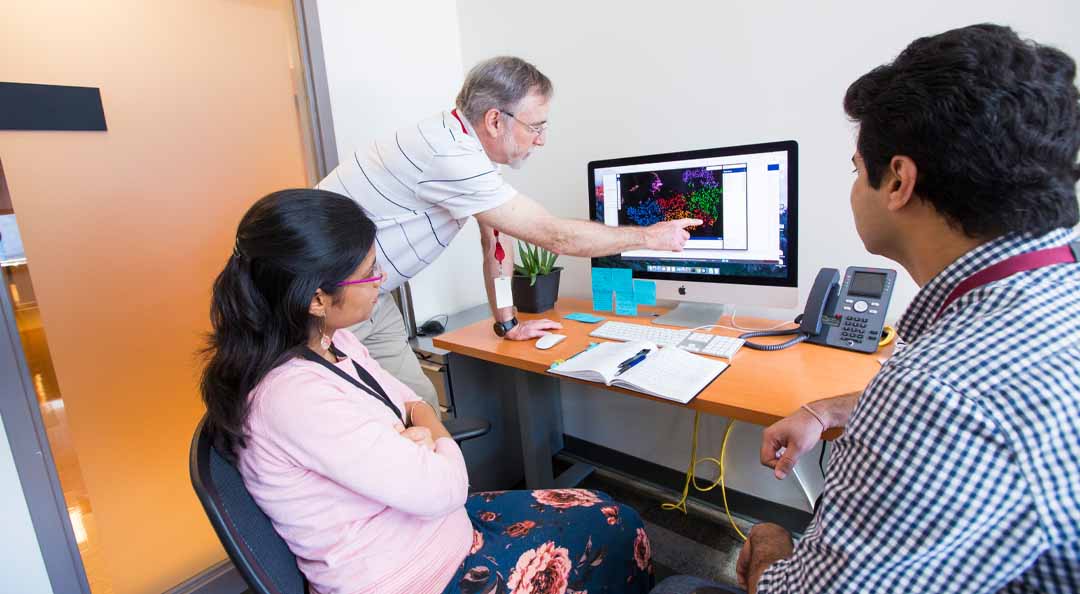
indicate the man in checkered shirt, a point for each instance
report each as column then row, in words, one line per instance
column 959, row 466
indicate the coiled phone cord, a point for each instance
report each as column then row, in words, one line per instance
column 776, row 347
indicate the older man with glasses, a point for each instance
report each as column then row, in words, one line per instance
column 421, row 186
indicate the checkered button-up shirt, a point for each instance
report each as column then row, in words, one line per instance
column 959, row 470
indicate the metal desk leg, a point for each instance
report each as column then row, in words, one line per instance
column 539, row 403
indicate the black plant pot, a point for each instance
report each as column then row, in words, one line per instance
column 538, row 297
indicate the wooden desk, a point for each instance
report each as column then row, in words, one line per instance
column 760, row 387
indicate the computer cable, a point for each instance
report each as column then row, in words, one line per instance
column 888, row 334
column 691, row 476
column 736, row 326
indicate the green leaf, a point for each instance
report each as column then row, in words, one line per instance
column 521, row 254
column 535, row 257
column 532, row 280
column 550, row 264
column 520, row 270
column 526, row 261
column 535, row 260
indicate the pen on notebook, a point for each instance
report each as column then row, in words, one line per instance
column 632, row 357
column 632, row 361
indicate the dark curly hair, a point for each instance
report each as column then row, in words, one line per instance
column 991, row 121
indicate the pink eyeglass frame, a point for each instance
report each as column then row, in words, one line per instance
column 362, row 281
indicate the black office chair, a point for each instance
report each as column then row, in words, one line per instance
column 262, row 557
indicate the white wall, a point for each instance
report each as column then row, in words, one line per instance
column 389, row 65
column 638, row 78
column 20, row 553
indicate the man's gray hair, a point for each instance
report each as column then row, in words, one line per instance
column 499, row 83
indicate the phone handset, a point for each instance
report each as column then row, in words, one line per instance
column 825, row 286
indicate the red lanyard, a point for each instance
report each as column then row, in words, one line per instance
column 500, row 253
column 463, row 128
column 1008, row 267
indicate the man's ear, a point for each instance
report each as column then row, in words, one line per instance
column 319, row 303
column 493, row 122
column 899, row 181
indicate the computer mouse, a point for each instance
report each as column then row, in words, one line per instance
column 547, row 341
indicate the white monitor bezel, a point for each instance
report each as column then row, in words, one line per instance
column 758, row 291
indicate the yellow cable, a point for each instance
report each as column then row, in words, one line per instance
column 723, row 488
column 888, row 333
column 691, row 476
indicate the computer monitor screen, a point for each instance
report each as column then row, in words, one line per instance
column 747, row 198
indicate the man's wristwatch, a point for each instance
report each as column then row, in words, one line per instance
column 501, row 328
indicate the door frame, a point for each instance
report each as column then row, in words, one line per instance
column 34, row 464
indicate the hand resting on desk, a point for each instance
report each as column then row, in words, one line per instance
column 532, row 329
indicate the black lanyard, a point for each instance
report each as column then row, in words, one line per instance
column 374, row 389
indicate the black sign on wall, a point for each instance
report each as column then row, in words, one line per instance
column 50, row 107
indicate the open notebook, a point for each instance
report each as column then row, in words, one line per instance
column 668, row 373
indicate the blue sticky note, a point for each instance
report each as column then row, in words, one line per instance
column 644, row 292
column 584, row 317
column 622, row 279
column 601, row 279
column 625, row 304
column 601, row 300
column 601, row 289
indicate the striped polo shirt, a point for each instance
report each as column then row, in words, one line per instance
column 419, row 187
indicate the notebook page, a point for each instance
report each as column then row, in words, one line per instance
column 600, row 362
column 673, row 374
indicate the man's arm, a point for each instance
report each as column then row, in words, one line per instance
column 921, row 494
column 797, row 433
column 766, row 544
column 524, row 218
column 492, row 269
column 793, row 435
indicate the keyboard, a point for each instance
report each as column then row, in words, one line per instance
column 724, row 347
column 695, row 342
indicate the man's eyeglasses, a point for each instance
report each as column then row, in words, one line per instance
column 377, row 275
column 536, row 129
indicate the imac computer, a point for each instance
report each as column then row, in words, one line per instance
column 745, row 253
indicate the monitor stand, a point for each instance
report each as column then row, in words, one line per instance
column 692, row 315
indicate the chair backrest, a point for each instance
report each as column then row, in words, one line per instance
column 259, row 554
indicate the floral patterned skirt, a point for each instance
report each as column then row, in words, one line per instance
column 553, row 541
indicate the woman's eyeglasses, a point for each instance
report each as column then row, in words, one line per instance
column 377, row 275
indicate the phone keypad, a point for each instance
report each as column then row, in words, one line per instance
column 854, row 328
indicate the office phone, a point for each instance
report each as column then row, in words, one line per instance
column 847, row 315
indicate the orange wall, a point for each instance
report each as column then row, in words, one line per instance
column 126, row 229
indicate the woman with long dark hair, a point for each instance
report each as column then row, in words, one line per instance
column 357, row 474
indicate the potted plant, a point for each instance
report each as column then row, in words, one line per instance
column 535, row 283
